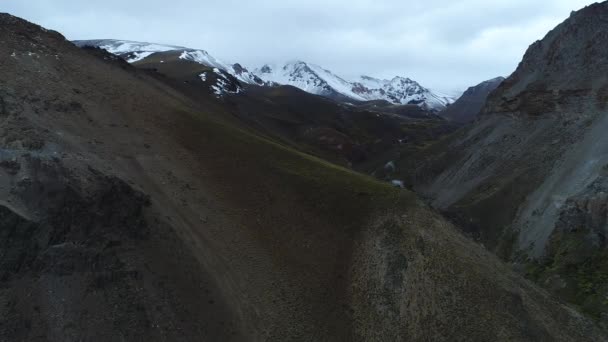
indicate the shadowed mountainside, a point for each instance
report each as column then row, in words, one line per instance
column 468, row 106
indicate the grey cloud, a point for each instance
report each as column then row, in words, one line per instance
column 444, row 44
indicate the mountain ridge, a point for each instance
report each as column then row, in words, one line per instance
column 468, row 107
column 306, row 76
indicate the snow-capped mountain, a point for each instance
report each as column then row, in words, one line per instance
column 314, row 79
column 236, row 70
column 134, row 52
column 306, row 76
column 400, row 90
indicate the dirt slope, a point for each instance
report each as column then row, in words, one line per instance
column 130, row 212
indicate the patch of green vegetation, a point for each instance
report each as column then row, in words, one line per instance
column 534, row 270
column 506, row 246
column 574, row 271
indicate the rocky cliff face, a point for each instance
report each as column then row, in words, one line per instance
column 560, row 71
column 527, row 178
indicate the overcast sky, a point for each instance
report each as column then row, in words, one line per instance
column 446, row 45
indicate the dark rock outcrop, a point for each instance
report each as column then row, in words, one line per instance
column 469, row 105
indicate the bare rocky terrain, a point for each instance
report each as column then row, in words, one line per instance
column 132, row 210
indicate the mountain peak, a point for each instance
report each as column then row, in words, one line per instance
column 317, row 80
column 365, row 77
column 296, row 62
column 402, row 79
column 266, row 69
column 567, row 60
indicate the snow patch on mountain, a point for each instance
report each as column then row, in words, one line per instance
column 203, row 57
column 224, row 83
column 119, row 47
column 221, row 88
column 138, row 56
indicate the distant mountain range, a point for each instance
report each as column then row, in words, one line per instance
column 314, row 79
column 306, row 76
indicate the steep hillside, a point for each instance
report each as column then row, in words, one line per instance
column 131, row 212
column 528, row 178
column 470, row 104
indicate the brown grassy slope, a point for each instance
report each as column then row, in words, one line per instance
column 242, row 239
